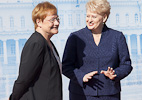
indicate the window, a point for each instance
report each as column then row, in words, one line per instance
column 133, row 44
column 77, row 1
column 70, row 20
column 61, row 20
column 21, row 44
column 1, row 48
column 12, row 49
column 22, row 22
column 84, row 19
column 127, row 18
column 117, row 18
column 1, row 22
column 78, row 19
column 136, row 18
column 11, row 22
column 141, row 42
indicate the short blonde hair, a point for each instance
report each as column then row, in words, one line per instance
column 102, row 7
column 42, row 10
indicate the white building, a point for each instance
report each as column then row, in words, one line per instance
column 16, row 26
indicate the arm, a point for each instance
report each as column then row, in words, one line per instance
column 125, row 67
column 30, row 66
column 69, row 61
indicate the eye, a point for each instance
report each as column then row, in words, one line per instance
column 94, row 16
column 87, row 16
column 52, row 20
column 58, row 19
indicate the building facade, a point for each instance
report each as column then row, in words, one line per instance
column 16, row 26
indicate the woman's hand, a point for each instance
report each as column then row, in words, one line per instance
column 110, row 73
column 88, row 76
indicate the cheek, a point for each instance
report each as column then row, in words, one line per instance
column 100, row 20
column 87, row 19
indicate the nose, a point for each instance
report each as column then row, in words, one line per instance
column 56, row 22
column 90, row 19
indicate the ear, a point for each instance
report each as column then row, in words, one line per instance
column 105, row 18
column 39, row 22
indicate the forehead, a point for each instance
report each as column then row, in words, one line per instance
column 51, row 16
column 48, row 17
column 51, row 12
column 91, row 12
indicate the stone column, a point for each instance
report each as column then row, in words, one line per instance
column 138, row 45
column 17, row 51
column 129, row 44
column 5, row 52
column 7, row 86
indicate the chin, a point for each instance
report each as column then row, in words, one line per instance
column 90, row 27
column 56, row 32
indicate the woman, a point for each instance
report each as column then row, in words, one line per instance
column 39, row 74
column 96, row 57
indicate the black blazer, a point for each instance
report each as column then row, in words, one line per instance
column 39, row 74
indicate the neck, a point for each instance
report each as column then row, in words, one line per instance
column 98, row 30
column 47, row 36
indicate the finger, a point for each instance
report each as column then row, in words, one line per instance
column 113, row 76
column 102, row 71
column 89, row 77
column 86, row 80
column 93, row 73
column 111, row 70
column 108, row 69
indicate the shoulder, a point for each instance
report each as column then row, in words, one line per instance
column 118, row 35
column 115, row 33
column 36, row 39
column 78, row 34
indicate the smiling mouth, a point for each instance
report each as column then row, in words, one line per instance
column 90, row 24
column 54, row 27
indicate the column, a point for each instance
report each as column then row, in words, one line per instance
column 17, row 51
column 5, row 52
column 138, row 45
column 129, row 44
column 7, row 86
column 66, row 19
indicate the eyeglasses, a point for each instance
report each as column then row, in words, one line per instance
column 53, row 19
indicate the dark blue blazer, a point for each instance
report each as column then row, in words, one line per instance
column 82, row 55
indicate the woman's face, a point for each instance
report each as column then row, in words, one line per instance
column 50, row 24
column 94, row 21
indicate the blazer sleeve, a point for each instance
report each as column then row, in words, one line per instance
column 125, row 67
column 30, row 66
column 69, row 61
